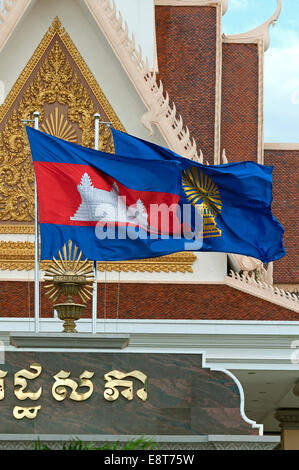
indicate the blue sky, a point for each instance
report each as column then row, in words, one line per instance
column 281, row 85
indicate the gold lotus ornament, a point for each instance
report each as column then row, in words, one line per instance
column 204, row 195
column 58, row 126
column 69, row 276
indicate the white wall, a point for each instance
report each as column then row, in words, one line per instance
column 140, row 16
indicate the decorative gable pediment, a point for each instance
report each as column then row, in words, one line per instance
column 57, row 83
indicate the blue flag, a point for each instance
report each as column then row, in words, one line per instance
column 106, row 204
column 234, row 201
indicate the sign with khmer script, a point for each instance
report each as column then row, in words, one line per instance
column 81, row 393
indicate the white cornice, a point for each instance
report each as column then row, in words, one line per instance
column 224, row 6
column 199, row 3
column 228, row 344
column 261, row 33
column 282, row 146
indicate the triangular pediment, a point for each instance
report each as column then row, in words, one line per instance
column 58, row 84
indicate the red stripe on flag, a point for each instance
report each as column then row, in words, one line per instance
column 59, row 197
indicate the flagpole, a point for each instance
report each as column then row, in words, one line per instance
column 97, row 118
column 36, row 247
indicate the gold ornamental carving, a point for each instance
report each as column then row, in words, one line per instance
column 21, row 229
column 69, row 276
column 58, row 126
column 204, row 195
column 57, row 83
column 177, row 262
column 20, row 256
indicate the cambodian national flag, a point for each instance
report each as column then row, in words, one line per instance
column 103, row 202
column 233, row 199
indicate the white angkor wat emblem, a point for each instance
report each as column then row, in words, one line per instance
column 107, row 206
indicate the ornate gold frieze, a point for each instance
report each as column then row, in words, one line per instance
column 57, row 83
column 178, row 262
column 20, row 256
column 20, row 229
column 69, row 276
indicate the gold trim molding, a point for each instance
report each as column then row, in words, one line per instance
column 20, row 256
column 19, row 229
column 17, row 256
column 177, row 262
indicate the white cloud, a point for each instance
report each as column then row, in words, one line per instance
column 238, row 4
column 282, row 93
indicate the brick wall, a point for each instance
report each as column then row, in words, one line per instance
column 239, row 113
column 285, row 209
column 155, row 301
column 186, row 47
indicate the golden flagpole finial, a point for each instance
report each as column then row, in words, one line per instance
column 69, row 276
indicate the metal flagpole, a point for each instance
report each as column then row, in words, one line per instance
column 97, row 123
column 36, row 248
column 97, row 118
column 36, row 239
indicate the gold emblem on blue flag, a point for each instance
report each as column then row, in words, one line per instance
column 204, row 195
